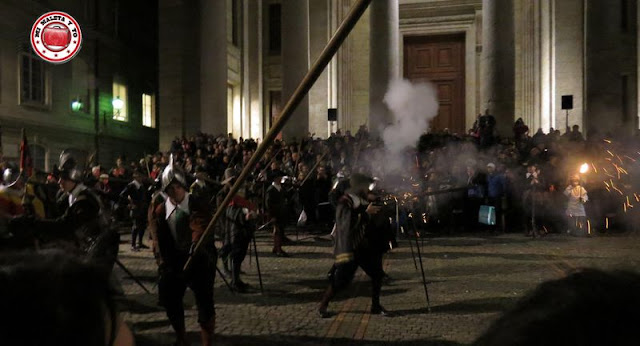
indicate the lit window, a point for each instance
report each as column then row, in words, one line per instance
column 32, row 80
column 119, row 102
column 148, row 114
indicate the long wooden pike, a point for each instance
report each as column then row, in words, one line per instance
column 301, row 91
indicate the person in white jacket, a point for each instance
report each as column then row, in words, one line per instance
column 577, row 194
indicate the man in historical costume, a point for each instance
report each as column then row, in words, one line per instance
column 16, row 200
column 353, row 248
column 82, row 226
column 221, row 226
column 203, row 188
column 176, row 226
column 276, row 203
column 241, row 215
column 136, row 197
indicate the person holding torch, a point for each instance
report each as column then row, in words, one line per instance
column 575, row 211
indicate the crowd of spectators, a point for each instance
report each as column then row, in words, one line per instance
column 524, row 177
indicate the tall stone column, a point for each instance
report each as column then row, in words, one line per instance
column 319, row 93
column 498, row 59
column 569, row 61
column 170, row 73
column 252, row 67
column 213, row 67
column 295, row 62
column 384, row 59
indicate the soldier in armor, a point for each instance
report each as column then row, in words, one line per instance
column 135, row 196
column 176, row 226
column 82, row 224
column 352, row 247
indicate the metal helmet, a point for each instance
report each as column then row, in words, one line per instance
column 375, row 184
column 71, row 165
column 173, row 173
column 10, row 176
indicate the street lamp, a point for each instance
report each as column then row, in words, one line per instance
column 117, row 103
column 76, row 104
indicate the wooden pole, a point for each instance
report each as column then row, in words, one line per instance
column 301, row 91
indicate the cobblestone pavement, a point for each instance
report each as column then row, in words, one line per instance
column 471, row 279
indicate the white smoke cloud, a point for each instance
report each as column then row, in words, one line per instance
column 413, row 106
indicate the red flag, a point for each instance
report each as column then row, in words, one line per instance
column 26, row 164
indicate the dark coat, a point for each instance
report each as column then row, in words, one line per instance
column 137, row 198
column 349, row 229
column 83, row 225
column 276, row 202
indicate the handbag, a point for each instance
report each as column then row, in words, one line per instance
column 487, row 215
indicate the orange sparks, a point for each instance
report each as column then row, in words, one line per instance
column 595, row 170
column 605, row 169
column 606, row 222
column 625, row 207
column 605, row 182
column 610, row 153
column 608, row 141
column 630, row 158
column 619, row 159
column 588, row 227
column 636, row 196
column 608, row 189
column 621, row 194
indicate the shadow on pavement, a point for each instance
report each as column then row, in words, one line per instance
column 281, row 340
column 481, row 305
column 457, row 255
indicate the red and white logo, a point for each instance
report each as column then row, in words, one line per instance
column 56, row 37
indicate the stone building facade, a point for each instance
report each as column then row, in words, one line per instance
column 514, row 58
column 71, row 105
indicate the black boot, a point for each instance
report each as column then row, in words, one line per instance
column 376, row 308
column 237, row 284
column 324, row 304
column 225, row 266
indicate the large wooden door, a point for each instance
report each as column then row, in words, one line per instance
column 440, row 60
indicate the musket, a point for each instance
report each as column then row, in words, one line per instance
column 313, row 168
column 270, row 161
column 357, row 10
